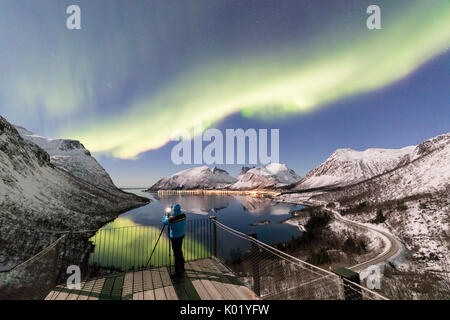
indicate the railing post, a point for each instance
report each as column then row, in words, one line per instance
column 255, row 266
column 170, row 253
column 351, row 292
column 214, row 235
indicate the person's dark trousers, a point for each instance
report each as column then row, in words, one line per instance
column 178, row 253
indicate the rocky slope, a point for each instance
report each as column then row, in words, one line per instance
column 36, row 196
column 195, row 178
column 425, row 169
column 410, row 200
column 274, row 175
column 71, row 156
column 347, row 166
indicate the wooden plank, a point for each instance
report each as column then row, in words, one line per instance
column 98, row 285
column 165, row 277
column 59, row 289
column 239, row 291
column 62, row 296
column 200, row 288
column 49, row 295
column 213, row 292
column 138, row 295
column 243, row 291
column 72, row 296
column 86, row 290
column 214, row 278
column 197, row 283
column 116, row 292
column 138, row 282
column 170, row 293
column 148, row 281
column 107, row 288
column 167, row 284
column 127, row 291
column 138, row 286
column 149, row 295
column 156, row 279
column 74, row 293
column 52, row 295
column 160, row 294
column 96, row 289
column 180, row 289
column 233, row 288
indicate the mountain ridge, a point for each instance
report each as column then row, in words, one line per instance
column 203, row 177
column 72, row 156
column 36, row 197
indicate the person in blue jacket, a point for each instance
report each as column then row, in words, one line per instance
column 177, row 221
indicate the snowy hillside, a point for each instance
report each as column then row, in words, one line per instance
column 426, row 169
column 195, row 178
column 346, row 166
column 71, row 156
column 273, row 175
column 36, row 196
column 412, row 197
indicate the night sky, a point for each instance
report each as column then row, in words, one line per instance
column 138, row 70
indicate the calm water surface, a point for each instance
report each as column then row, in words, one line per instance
column 128, row 240
column 236, row 211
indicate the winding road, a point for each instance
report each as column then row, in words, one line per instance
column 392, row 245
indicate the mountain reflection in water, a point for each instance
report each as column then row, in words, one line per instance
column 235, row 211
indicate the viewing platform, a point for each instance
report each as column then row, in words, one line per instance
column 220, row 264
column 204, row 279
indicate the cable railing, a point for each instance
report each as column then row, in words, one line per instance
column 269, row 272
column 129, row 248
column 99, row 253
column 34, row 278
column 273, row 274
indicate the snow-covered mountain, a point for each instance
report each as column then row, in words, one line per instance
column 71, row 156
column 195, row 178
column 273, row 175
column 414, row 199
column 347, row 166
column 425, row 169
column 37, row 196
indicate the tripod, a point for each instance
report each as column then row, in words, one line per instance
column 160, row 234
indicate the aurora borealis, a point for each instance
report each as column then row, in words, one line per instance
column 139, row 70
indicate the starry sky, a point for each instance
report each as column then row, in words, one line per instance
column 138, row 70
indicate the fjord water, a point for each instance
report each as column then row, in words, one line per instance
column 129, row 239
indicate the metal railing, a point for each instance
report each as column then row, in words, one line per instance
column 273, row 274
column 129, row 248
column 35, row 277
column 123, row 249
column 269, row 272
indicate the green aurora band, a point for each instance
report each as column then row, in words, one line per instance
column 123, row 244
column 106, row 84
column 290, row 79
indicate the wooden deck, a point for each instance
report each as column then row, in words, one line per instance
column 205, row 279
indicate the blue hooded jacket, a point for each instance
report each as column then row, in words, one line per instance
column 177, row 222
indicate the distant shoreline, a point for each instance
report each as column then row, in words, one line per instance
column 253, row 193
